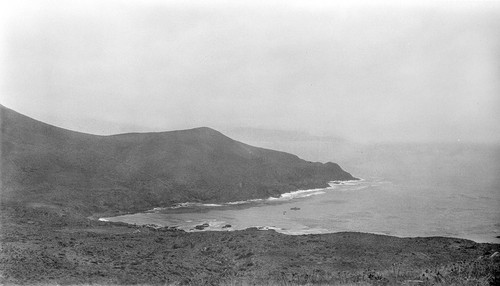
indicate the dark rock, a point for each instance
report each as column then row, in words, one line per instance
column 202, row 226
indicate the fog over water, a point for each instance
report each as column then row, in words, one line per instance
column 365, row 71
column 406, row 96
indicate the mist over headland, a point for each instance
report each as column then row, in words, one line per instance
column 369, row 126
column 366, row 72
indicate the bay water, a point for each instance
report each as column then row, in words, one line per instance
column 406, row 190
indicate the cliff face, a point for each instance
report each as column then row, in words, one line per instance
column 41, row 163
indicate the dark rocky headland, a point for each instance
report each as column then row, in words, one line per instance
column 55, row 182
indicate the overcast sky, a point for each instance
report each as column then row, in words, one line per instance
column 365, row 72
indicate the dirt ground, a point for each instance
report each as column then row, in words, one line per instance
column 40, row 245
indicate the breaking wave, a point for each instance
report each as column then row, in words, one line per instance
column 283, row 197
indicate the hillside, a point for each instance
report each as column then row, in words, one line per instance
column 41, row 163
column 53, row 178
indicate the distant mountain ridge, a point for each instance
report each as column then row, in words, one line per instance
column 41, row 163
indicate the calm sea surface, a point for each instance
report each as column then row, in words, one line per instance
column 407, row 190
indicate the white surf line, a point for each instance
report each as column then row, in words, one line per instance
column 284, row 196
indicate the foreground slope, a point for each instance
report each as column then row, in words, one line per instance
column 40, row 247
column 128, row 172
column 53, row 178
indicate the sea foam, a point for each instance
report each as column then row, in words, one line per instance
column 283, row 197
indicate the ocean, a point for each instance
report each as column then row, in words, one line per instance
column 407, row 190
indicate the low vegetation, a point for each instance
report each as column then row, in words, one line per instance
column 42, row 163
column 55, row 183
column 47, row 245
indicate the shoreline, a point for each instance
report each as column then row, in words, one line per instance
column 217, row 224
column 282, row 197
column 115, row 213
column 331, row 186
column 313, row 232
column 53, row 250
column 289, row 195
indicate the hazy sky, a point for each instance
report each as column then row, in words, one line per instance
column 367, row 72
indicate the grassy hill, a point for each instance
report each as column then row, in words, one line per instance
column 41, row 163
column 53, row 178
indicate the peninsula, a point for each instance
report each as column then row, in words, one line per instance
column 55, row 182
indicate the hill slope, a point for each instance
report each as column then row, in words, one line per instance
column 41, row 163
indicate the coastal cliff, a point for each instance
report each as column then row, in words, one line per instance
column 130, row 172
column 53, row 178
